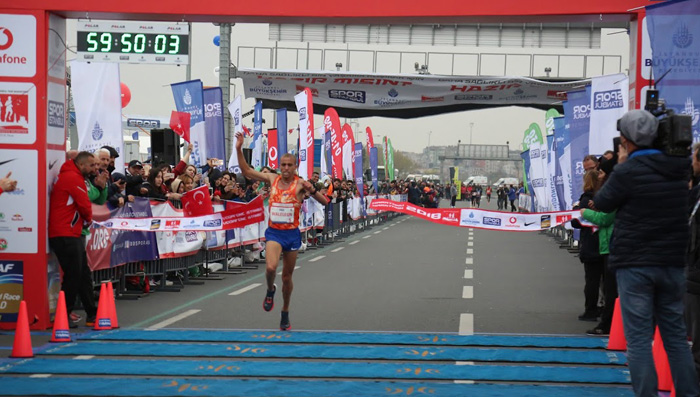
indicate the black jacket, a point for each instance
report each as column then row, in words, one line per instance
column 650, row 194
column 589, row 250
column 693, row 264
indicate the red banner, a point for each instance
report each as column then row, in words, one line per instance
column 444, row 216
column 370, row 139
column 238, row 215
column 180, row 124
column 332, row 124
column 272, row 149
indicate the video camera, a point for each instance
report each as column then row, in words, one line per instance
column 675, row 132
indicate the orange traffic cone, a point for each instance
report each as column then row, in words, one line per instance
column 22, row 347
column 103, row 322
column 112, row 306
column 663, row 371
column 616, row 340
column 61, row 331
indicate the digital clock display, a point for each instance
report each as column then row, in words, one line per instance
column 133, row 42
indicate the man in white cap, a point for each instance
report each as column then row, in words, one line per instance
column 649, row 190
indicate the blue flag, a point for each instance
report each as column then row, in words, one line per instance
column 214, row 124
column 282, row 131
column 189, row 97
column 373, row 163
column 577, row 112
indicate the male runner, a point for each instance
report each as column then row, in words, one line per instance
column 283, row 236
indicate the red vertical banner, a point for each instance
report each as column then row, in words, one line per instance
column 370, row 139
column 310, row 133
column 332, row 124
column 272, row 149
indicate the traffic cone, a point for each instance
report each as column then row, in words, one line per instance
column 22, row 346
column 616, row 340
column 112, row 306
column 103, row 322
column 663, row 371
column 61, row 329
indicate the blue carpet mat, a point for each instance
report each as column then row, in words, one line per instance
column 317, row 370
column 351, row 338
column 337, row 352
column 285, row 388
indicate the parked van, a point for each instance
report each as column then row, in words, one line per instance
column 506, row 181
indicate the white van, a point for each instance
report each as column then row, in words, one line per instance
column 507, row 182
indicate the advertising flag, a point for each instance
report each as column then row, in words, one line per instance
column 370, row 138
column 98, row 107
column 608, row 103
column 236, row 116
column 306, row 133
column 537, row 174
column 390, row 166
column 674, row 33
column 331, row 122
column 214, row 123
column 326, row 154
column 373, row 165
column 281, row 131
column 552, row 174
column 577, row 112
column 347, row 151
column 386, row 157
column 180, row 124
column 257, row 137
column 562, row 168
column 272, row 150
column 189, row 97
column 359, row 180
column 527, row 178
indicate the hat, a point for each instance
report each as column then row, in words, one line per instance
column 135, row 163
column 118, row 176
column 639, row 126
column 112, row 151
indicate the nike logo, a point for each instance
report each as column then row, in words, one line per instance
column 52, row 164
column 6, row 161
column 531, row 223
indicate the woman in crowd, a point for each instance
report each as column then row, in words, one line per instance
column 187, row 182
column 154, row 187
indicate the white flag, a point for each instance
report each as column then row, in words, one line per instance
column 302, row 100
column 609, row 101
column 98, row 107
column 235, row 109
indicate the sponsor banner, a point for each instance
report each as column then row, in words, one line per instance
column 390, row 160
column 331, row 122
column 370, row 138
column 562, row 166
column 359, row 180
column 306, row 133
column 56, row 114
column 373, row 161
column 480, row 219
column 273, row 154
column 18, row 45
column 172, row 244
column 282, row 131
column 552, row 175
column 189, row 97
column 675, row 43
column 379, row 92
column 214, row 124
column 348, row 152
column 19, row 209
column 257, row 145
column 609, row 101
column 577, row 112
column 326, row 156
column 17, row 113
column 11, row 289
column 98, row 107
column 237, row 118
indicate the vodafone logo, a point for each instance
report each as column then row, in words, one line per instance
column 273, row 153
column 512, row 219
column 6, row 39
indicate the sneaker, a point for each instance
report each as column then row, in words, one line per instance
column 284, row 322
column 75, row 317
column 597, row 331
column 586, row 316
column 72, row 324
column 269, row 301
column 90, row 322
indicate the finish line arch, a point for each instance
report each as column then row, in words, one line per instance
column 32, row 65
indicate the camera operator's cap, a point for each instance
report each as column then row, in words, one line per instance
column 640, row 127
column 135, row 163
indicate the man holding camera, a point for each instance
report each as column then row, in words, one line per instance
column 649, row 190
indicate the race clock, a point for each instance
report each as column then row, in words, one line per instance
column 133, row 42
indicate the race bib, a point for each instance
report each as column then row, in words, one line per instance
column 281, row 213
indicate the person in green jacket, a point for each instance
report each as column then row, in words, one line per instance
column 604, row 221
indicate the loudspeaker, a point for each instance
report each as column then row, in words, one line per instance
column 248, row 155
column 165, row 146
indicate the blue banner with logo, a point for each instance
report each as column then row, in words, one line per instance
column 675, row 44
column 11, row 289
column 189, row 97
column 214, row 124
column 133, row 246
column 327, row 157
column 527, row 180
column 282, row 132
column 373, row 163
column 256, row 144
column 577, row 112
column 560, row 180
column 359, row 180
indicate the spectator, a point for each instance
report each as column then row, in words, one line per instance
column 512, row 196
column 134, row 178
column 7, row 184
column 69, row 211
column 692, row 308
column 113, row 155
column 187, row 181
column 116, row 195
column 155, row 188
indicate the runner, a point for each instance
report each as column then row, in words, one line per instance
column 283, row 236
column 488, row 194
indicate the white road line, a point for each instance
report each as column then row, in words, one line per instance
column 377, row 232
column 466, row 324
column 318, row 258
column 280, row 273
column 464, row 382
column 471, row 233
column 468, row 273
column 337, row 249
column 470, row 251
column 366, row 236
column 464, row 362
column 84, row 357
column 386, row 228
column 470, row 244
column 471, row 230
column 245, row 289
column 470, row 238
column 175, row 319
column 40, row 376
column 468, row 292
column 354, row 242
column 470, row 261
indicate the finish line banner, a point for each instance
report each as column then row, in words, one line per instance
column 231, row 218
column 480, row 219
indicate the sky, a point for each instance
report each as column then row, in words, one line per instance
column 151, row 94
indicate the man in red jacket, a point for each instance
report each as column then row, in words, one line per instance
column 69, row 210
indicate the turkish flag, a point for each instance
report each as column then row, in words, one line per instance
column 180, row 123
column 197, row 202
column 247, row 131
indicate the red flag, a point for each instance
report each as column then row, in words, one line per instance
column 246, row 131
column 370, row 138
column 332, row 122
column 272, row 149
column 180, row 124
column 242, row 214
column 290, row 131
column 197, row 202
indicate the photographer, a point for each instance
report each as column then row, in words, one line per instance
column 649, row 191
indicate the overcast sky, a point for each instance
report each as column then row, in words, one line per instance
column 151, row 94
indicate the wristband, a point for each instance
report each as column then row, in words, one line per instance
column 314, row 192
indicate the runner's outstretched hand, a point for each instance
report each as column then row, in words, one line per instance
column 239, row 140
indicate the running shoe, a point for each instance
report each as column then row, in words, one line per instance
column 90, row 322
column 285, row 325
column 269, row 301
column 75, row 317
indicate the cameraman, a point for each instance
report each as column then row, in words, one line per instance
column 649, row 191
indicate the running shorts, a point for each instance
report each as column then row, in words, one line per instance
column 290, row 240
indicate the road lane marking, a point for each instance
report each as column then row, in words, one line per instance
column 470, row 244
column 377, row 232
column 84, row 357
column 468, row 273
column 466, row 324
column 174, row 319
column 337, row 249
column 354, row 242
column 470, row 261
column 468, row 292
column 386, row 228
column 280, row 273
column 366, row 236
column 40, row 375
column 470, row 251
column 245, row 289
column 318, row 258
column 471, row 230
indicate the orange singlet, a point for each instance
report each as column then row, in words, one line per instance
column 284, row 206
